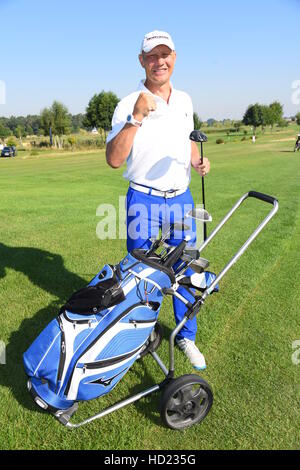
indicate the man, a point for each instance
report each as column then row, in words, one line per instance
column 150, row 130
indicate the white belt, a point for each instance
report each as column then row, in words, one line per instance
column 156, row 192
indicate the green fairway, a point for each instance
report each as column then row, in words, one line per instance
column 49, row 248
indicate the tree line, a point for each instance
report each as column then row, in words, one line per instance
column 262, row 115
column 21, row 126
column 56, row 120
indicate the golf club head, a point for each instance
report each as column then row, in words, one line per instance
column 199, row 214
column 198, row 136
column 199, row 265
column 191, row 253
column 180, row 226
column 198, row 280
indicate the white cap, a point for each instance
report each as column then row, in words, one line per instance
column 157, row 38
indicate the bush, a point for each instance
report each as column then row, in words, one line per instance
column 219, row 141
column 72, row 140
column 90, row 143
column 243, row 139
column 11, row 142
column 44, row 143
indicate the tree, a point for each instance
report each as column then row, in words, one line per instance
column 297, row 117
column 283, row 123
column 62, row 119
column 237, row 125
column 253, row 116
column 29, row 130
column 77, row 122
column 100, row 109
column 20, row 132
column 276, row 112
column 210, row 122
column 11, row 141
column 12, row 123
column 4, row 131
column 32, row 124
column 47, row 120
column 197, row 121
column 265, row 116
column 58, row 119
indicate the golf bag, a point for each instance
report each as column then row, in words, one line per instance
column 98, row 335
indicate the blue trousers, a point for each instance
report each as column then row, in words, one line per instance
column 146, row 215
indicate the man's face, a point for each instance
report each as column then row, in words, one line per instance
column 158, row 64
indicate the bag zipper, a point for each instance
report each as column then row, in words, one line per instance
column 75, row 322
column 62, row 358
column 135, row 322
column 108, row 362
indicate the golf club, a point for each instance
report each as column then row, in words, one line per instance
column 198, row 136
column 167, row 231
column 199, row 214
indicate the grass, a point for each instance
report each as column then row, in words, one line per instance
column 49, row 248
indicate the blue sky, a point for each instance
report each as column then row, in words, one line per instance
column 229, row 53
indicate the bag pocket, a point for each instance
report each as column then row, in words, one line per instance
column 97, row 296
column 42, row 358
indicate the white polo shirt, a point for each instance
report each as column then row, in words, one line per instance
column 160, row 157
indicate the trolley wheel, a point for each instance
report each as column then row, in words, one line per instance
column 185, row 401
column 154, row 340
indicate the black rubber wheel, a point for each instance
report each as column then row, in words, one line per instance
column 185, row 401
column 154, row 340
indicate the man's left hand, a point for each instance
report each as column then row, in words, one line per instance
column 203, row 168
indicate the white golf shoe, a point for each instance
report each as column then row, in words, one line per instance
column 192, row 352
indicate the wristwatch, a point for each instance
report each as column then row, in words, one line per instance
column 134, row 122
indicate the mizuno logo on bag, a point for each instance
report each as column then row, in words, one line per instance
column 107, row 382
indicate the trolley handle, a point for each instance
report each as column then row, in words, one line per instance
column 263, row 197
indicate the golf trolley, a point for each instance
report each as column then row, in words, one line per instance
column 146, row 275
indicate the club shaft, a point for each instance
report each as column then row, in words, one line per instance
column 203, row 195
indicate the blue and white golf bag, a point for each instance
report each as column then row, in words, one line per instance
column 84, row 352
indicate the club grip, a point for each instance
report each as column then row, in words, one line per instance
column 262, row 197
